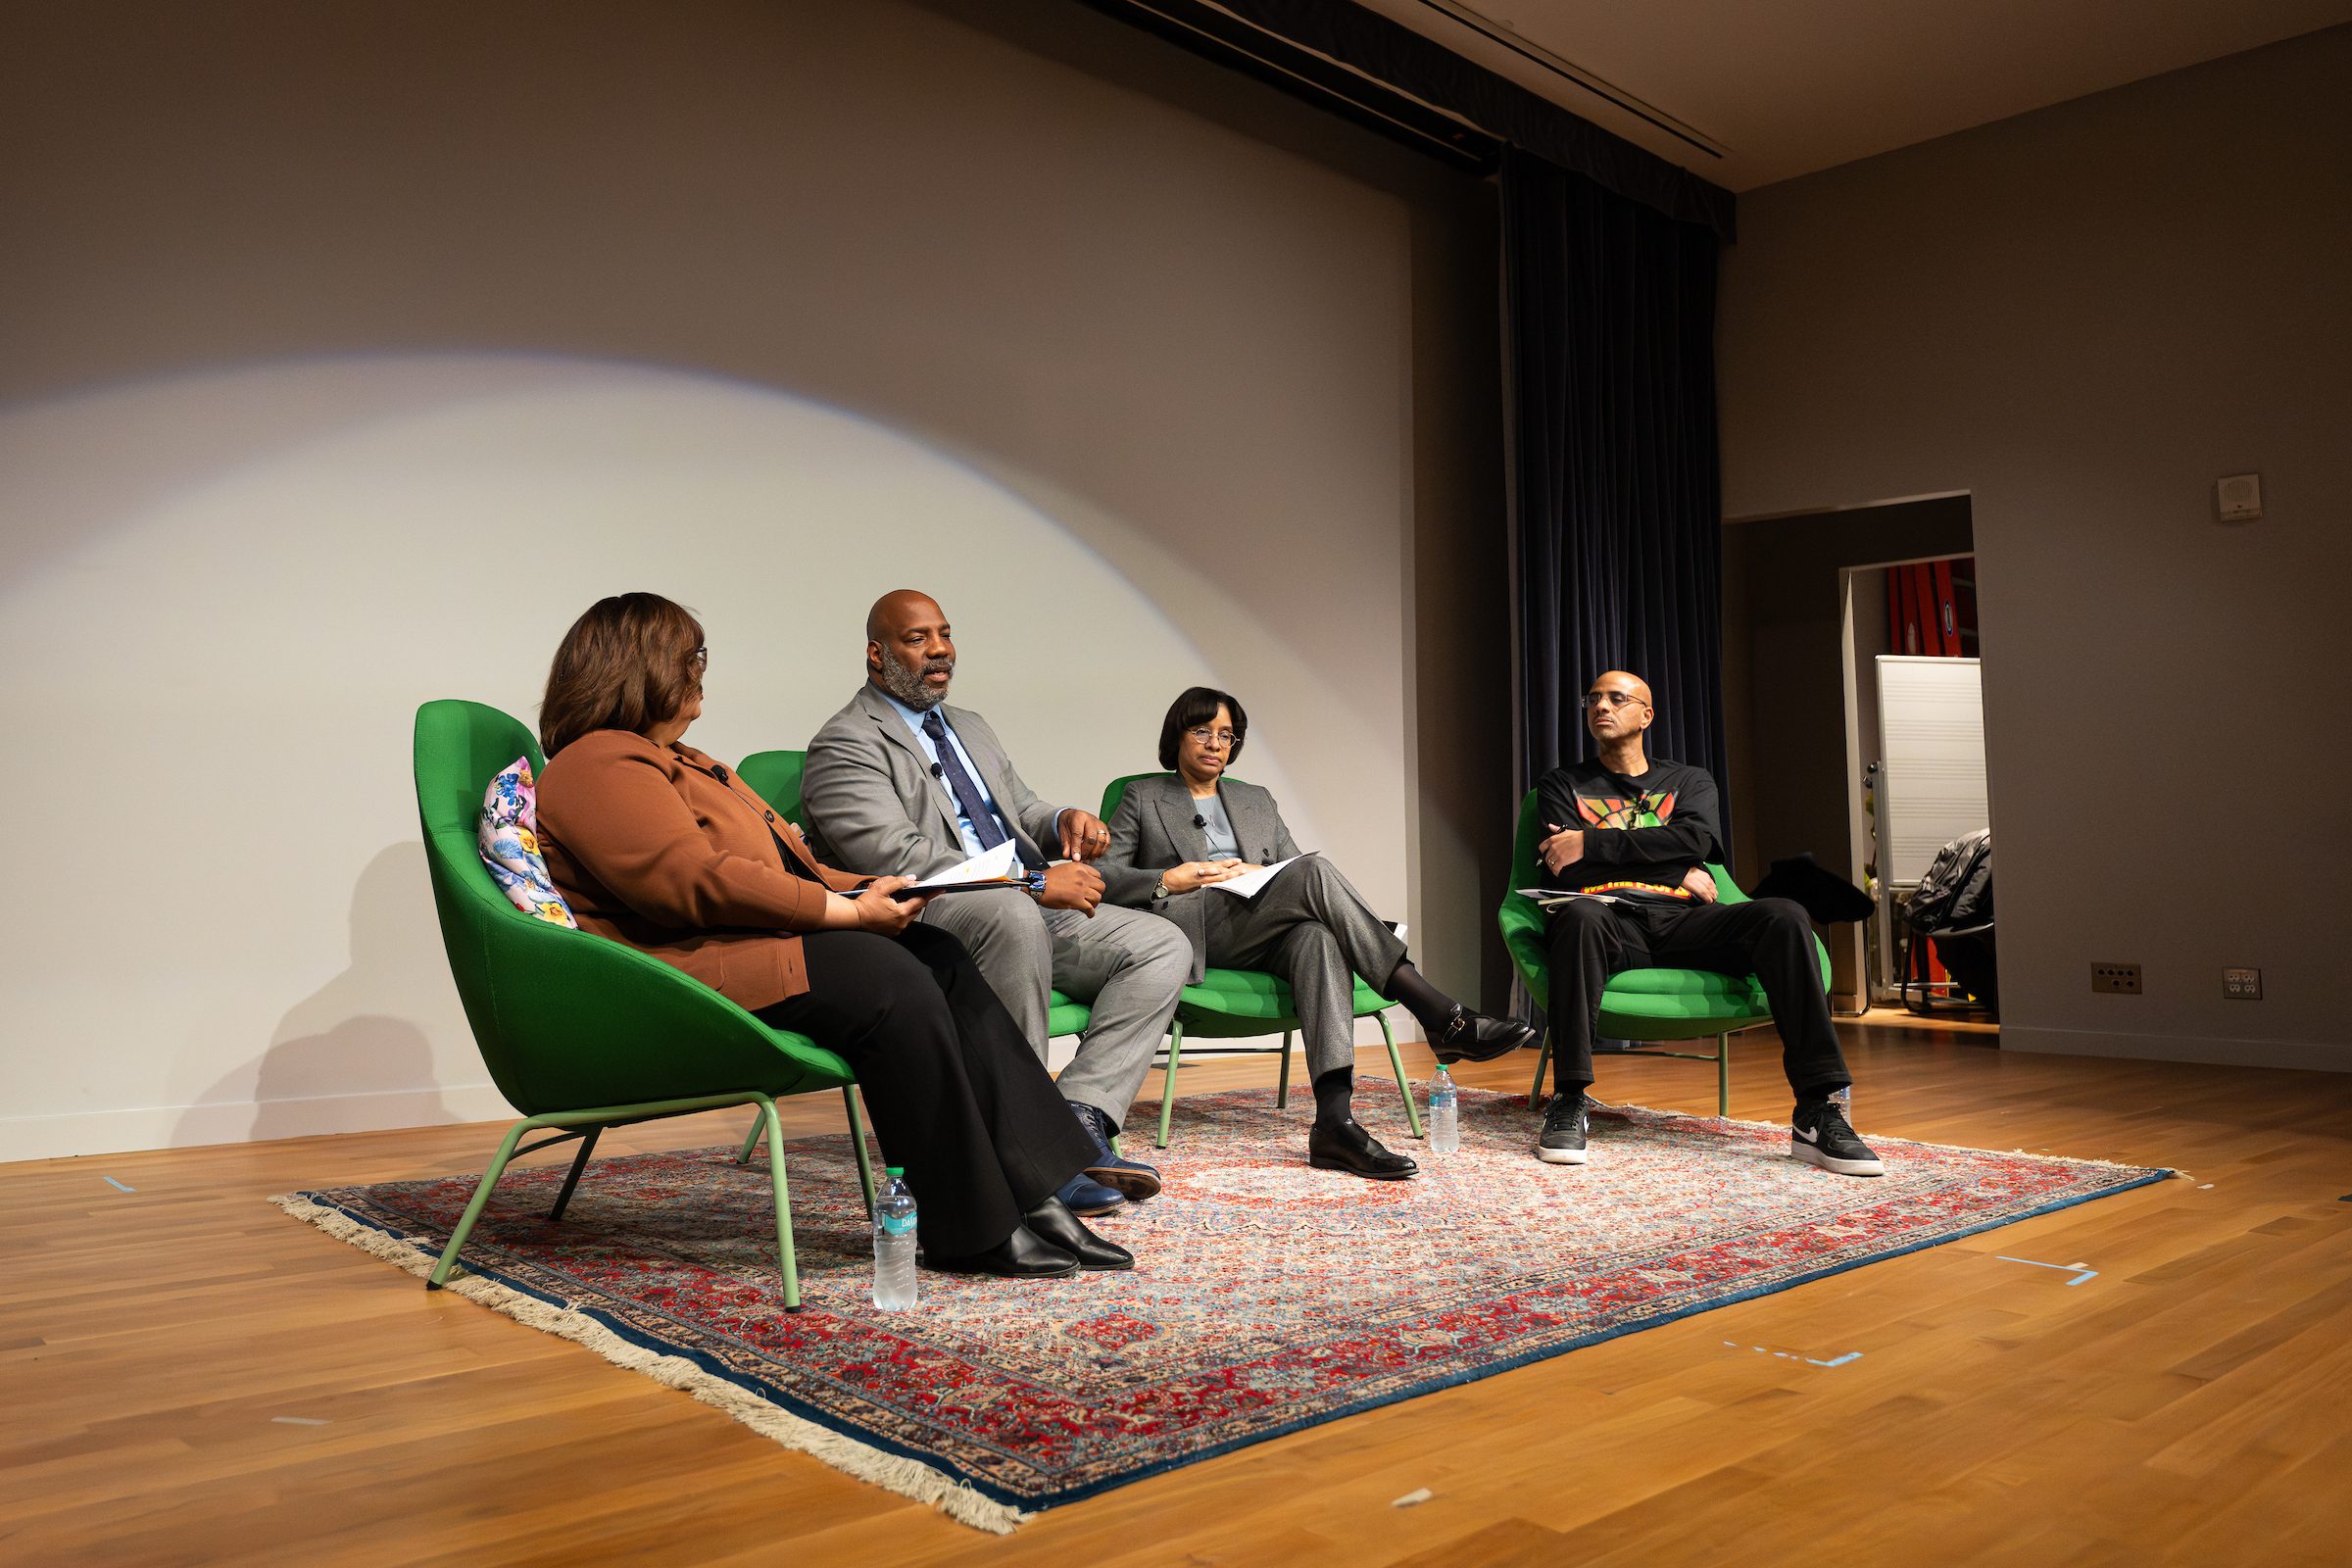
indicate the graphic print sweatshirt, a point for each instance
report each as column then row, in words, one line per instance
column 1642, row 834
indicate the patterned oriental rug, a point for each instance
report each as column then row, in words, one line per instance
column 1267, row 1296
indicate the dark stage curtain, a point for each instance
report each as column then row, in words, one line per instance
column 1619, row 509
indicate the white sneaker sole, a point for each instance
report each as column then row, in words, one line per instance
column 1812, row 1155
column 1559, row 1156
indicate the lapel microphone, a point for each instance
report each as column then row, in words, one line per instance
column 937, row 771
column 718, row 772
column 1198, row 820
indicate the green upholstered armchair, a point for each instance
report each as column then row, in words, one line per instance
column 1234, row 1004
column 1647, row 1004
column 775, row 777
column 580, row 1032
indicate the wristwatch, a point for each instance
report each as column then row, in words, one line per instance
column 1161, row 891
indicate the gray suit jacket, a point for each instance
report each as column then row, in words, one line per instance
column 871, row 797
column 1153, row 829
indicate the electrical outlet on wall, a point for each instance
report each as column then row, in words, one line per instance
column 2115, row 979
column 2237, row 498
column 2241, row 985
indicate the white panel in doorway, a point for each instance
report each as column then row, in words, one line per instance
column 1932, row 732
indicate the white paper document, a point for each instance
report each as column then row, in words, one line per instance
column 993, row 866
column 1247, row 884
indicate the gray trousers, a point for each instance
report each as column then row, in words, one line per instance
column 1311, row 927
column 1127, row 965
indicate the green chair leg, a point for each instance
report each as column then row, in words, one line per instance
column 775, row 1171
column 865, row 1162
column 1412, row 1111
column 572, row 1180
column 1535, row 1091
column 1723, row 1075
column 1167, row 1091
column 1282, row 1092
column 865, row 1159
column 481, row 1196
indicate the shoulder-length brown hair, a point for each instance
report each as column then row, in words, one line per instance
column 631, row 662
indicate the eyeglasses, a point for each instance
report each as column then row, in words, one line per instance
column 1613, row 699
column 1214, row 737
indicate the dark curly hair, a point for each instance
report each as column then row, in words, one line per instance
column 1197, row 706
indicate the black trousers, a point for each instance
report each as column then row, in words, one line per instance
column 956, row 1094
column 1587, row 941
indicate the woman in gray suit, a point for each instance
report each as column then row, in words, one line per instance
column 1196, row 827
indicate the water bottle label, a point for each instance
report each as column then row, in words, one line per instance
column 897, row 1224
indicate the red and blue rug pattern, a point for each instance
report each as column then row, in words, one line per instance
column 1267, row 1296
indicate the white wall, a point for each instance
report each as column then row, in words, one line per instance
column 2081, row 317
column 352, row 350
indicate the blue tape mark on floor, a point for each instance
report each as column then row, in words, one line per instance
column 116, row 1186
column 1791, row 1355
column 2087, row 1271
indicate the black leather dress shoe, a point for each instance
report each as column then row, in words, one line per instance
column 1018, row 1257
column 1053, row 1223
column 1348, row 1147
column 1473, row 1037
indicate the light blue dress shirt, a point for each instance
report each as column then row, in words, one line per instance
column 964, row 823
column 1216, row 827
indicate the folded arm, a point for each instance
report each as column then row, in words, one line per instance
column 1689, row 837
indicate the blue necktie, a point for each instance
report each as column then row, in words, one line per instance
column 985, row 826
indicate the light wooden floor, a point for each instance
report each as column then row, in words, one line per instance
column 2193, row 1402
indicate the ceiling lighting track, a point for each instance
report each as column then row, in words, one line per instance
column 1219, row 36
column 1372, row 69
column 1568, row 71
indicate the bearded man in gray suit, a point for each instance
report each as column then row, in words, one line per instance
column 901, row 784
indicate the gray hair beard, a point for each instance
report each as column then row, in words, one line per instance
column 907, row 686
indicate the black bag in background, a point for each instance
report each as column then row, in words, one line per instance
column 1953, row 906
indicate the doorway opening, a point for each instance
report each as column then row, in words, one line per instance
column 1915, row 776
column 1796, row 741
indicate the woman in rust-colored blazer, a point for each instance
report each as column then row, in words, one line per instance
column 654, row 845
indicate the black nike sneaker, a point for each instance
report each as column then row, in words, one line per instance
column 1562, row 1140
column 1820, row 1135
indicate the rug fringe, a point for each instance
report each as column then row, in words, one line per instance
column 1888, row 1138
column 909, row 1477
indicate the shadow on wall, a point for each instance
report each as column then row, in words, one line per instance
column 351, row 1054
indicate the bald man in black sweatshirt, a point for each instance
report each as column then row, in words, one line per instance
column 1638, row 833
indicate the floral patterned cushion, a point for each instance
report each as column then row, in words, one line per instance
column 510, row 843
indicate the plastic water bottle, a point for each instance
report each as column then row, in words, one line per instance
column 894, row 1244
column 1445, row 1120
column 1843, row 1100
